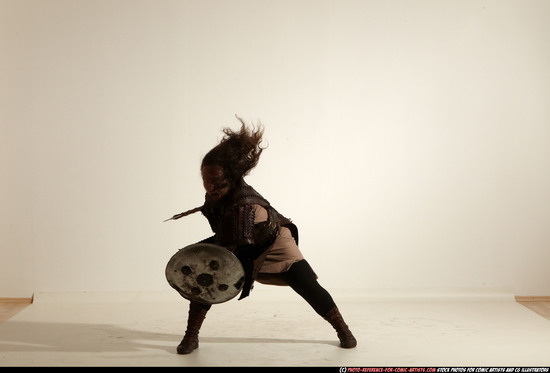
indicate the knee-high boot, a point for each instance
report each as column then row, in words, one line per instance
column 197, row 313
column 347, row 340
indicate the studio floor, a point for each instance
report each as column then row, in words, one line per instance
column 274, row 327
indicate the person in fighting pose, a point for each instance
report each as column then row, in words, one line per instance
column 265, row 241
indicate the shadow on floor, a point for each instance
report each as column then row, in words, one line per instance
column 73, row 337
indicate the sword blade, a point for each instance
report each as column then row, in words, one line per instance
column 181, row 215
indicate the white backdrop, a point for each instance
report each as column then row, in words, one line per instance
column 409, row 140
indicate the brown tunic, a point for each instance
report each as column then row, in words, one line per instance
column 280, row 255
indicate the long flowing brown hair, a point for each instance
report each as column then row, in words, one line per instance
column 238, row 152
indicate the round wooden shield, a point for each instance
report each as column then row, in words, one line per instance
column 205, row 273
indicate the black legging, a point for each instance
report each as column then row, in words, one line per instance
column 301, row 278
column 303, row 281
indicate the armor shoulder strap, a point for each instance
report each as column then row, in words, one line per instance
column 246, row 195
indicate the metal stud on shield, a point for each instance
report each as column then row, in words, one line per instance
column 205, row 273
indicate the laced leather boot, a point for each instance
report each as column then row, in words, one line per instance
column 190, row 341
column 347, row 340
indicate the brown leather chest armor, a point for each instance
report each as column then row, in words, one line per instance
column 232, row 219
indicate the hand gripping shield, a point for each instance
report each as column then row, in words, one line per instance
column 205, row 273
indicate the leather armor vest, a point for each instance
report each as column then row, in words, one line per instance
column 232, row 219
